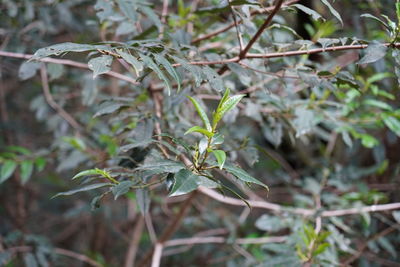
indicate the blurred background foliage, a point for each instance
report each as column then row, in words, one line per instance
column 321, row 130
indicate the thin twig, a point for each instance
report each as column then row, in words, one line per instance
column 68, row 62
column 266, row 23
column 230, row 26
column 134, row 242
column 47, row 94
column 240, row 40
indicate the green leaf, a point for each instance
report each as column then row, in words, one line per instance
column 162, row 166
column 58, row 49
column 378, row 104
column 201, row 113
column 392, row 123
column 314, row 14
column 243, row 175
column 333, row 11
column 108, row 108
column 26, row 170
column 83, row 189
column 196, row 71
column 185, row 182
column 373, row 52
column 169, row 68
column 88, row 173
column 136, row 64
column 220, row 156
column 398, row 11
column 7, row 169
column 28, row 69
column 368, row 141
column 201, row 130
column 19, row 149
column 121, row 189
column 225, row 107
column 376, row 19
column 152, row 65
column 100, row 65
column 40, row 163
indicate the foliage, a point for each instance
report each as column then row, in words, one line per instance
column 145, row 104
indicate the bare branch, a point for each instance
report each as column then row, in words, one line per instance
column 157, row 255
column 133, row 244
column 299, row 211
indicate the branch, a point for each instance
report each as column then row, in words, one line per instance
column 299, row 211
column 133, row 244
column 261, row 29
column 68, row 62
column 220, row 240
column 228, row 27
column 46, row 91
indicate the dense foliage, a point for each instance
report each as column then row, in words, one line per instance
column 188, row 133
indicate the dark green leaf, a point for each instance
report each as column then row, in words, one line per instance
column 314, row 14
column 162, row 166
column 134, row 62
column 152, row 65
column 83, row 189
column 333, row 11
column 185, row 182
column 373, row 53
column 169, row 68
column 392, row 123
column 122, row 188
column 213, row 78
column 243, row 175
column 57, row 49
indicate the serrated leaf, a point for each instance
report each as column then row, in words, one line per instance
column 100, row 65
column 314, row 14
column 201, row 113
column 7, row 169
column 152, row 65
column 333, row 11
column 220, row 156
column 243, row 175
column 185, row 182
column 201, row 130
column 169, row 68
column 373, row 52
column 83, row 189
column 121, row 189
column 26, row 170
column 136, row 64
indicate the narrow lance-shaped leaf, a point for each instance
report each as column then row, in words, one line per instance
column 333, row 11
column 88, row 173
column 121, row 188
column 152, row 65
column 82, row 189
column 136, row 64
column 100, row 65
column 373, row 52
column 201, row 130
column 201, row 113
column 220, row 156
column 169, row 68
column 314, row 14
column 243, row 175
column 225, row 107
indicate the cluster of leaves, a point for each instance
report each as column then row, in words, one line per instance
column 312, row 129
